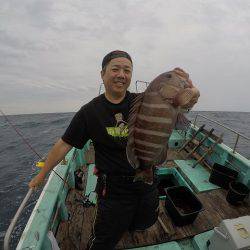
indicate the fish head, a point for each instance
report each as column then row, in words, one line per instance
column 178, row 91
column 186, row 99
column 181, row 94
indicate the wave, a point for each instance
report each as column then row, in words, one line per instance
column 59, row 121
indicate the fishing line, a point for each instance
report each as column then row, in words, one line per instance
column 28, row 144
column 17, row 131
column 33, row 150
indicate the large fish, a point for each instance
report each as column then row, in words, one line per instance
column 152, row 118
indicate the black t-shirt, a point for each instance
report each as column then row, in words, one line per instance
column 105, row 124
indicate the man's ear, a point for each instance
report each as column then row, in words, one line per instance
column 102, row 73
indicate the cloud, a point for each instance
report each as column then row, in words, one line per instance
column 56, row 47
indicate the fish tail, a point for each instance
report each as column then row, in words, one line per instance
column 145, row 175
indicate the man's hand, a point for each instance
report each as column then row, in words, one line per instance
column 196, row 93
column 56, row 154
column 37, row 180
column 183, row 75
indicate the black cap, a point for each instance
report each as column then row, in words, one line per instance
column 115, row 54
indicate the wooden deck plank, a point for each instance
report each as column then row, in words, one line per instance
column 216, row 209
column 69, row 232
column 88, row 221
column 74, row 234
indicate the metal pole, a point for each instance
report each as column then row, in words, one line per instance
column 100, row 88
column 14, row 220
column 195, row 120
column 138, row 81
column 235, row 145
column 224, row 126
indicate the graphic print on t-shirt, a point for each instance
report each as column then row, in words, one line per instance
column 120, row 129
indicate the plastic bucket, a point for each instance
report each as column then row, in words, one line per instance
column 165, row 182
column 222, row 175
column 182, row 205
column 237, row 192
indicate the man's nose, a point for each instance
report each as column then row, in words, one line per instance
column 121, row 74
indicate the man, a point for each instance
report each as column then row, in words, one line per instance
column 122, row 203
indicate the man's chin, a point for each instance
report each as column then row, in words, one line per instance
column 121, row 89
column 119, row 93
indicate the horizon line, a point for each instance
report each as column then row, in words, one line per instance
column 60, row 112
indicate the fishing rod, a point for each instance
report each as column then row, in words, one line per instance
column 18, row 132
column 28, row 144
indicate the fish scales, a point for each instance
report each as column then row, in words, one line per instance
column 146, row 147
column 155, row 111
column 154, row 138
column 152, row 118
column 156, row 126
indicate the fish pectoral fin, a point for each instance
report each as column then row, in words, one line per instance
column 132, row 158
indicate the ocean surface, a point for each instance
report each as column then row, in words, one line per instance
column 43, row 130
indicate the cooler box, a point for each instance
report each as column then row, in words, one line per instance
column 232, row 234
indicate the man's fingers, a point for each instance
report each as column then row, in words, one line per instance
column 184, row 76
column 36, row 182
column 32, row 185
column 182, row 73
column 190, row 83
column 177, row 68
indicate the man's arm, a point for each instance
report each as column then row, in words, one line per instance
column 55, row 155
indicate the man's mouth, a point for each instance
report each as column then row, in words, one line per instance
column 118, row 83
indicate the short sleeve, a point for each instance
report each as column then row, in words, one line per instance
column 76, row 134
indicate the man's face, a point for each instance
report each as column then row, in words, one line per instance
column 117, row 75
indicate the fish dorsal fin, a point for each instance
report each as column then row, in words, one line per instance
column 135, row 107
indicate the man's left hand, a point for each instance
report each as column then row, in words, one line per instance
column 183, row 75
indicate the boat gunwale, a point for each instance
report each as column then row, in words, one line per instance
column 55, row 198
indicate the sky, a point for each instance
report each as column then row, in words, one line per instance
column 51, row 50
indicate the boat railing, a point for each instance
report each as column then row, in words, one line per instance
column 14, row 220
column 238, row 135
column 100, row 88
column 54, row 193
column 138, row 81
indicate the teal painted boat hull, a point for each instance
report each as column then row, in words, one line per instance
column 50, row 208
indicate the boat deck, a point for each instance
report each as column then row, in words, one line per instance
column 74, row 233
